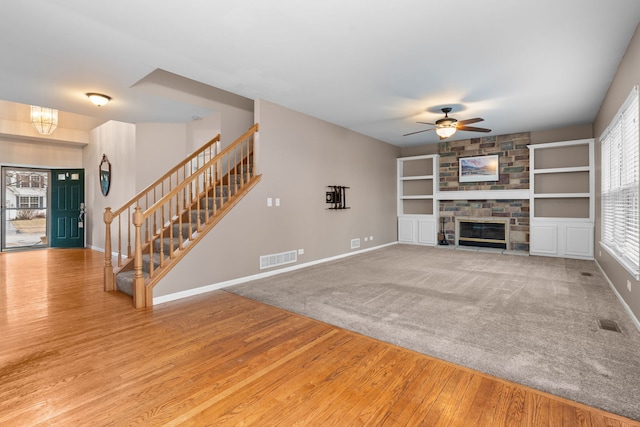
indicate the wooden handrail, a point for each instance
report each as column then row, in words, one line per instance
column 191, row 200
column 253, row 129
column 177, row 167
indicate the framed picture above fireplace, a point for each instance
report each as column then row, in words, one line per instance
column 479, row 168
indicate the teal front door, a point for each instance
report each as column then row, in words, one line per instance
column 67, row 208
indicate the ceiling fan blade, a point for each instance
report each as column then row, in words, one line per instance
column 469, row 121
column 427, row 123
column 413, row 133
column 472, row 129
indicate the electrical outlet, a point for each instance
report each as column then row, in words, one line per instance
column 370, row 237
column 366, row 239
column 629, row 286
column 269, row 201
column 300, row 251
column 277, row 201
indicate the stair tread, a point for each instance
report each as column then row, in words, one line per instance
column 124, row 281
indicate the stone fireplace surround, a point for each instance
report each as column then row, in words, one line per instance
column 516, row 212
column 507, row 198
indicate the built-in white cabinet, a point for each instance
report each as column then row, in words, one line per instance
column 562, row 203
column 417, row 206
column 559, row 237
column 421, row 231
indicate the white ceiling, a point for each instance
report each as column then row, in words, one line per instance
column 372, row 66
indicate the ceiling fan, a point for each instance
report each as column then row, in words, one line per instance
column 447, row 126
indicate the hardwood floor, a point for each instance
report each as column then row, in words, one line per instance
column 73, row 355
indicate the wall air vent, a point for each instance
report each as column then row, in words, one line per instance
column 273, row 260
column 355, row 243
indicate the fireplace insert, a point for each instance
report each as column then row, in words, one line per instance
column 482, row 233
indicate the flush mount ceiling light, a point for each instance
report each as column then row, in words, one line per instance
column 45, row 120
column 99, row 99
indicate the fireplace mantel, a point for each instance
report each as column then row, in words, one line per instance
column 483, row 195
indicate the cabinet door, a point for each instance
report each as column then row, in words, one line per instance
column 426, row 232
column 406, row 230
column 544, row 239
column 579, row 241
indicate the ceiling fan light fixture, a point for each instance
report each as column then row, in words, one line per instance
column 44, row 120
column 98, row 99
column 447, row 126
column 445, row 131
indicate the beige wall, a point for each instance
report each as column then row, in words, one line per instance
column 626, row 77
column 419, row 150
column 570, row 133
column 199, row 132
column 299, row 156
column 117, row 140
column 235, row 122
column 159, row 147
column 40, row 154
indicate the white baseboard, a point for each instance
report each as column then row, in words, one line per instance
column 114, row 255
column 634, row 319
column 216, row 286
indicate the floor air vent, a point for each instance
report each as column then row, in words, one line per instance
column 268, row 261
column 608, row 325
column 586, row 273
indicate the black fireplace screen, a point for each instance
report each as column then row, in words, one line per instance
column 482, row 234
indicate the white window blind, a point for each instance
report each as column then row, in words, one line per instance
column 620, row 177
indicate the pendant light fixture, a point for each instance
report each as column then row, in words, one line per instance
column 45, row 120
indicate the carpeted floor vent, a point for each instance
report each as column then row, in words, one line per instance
column 608, row 325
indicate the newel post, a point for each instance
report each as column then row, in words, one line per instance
column 108, row 267
column 138, row 278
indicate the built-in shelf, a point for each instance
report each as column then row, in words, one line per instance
column 417, row 204
column 563, row 170
column 562, row 195
column 416, row 178
column 562, row 202
column 417, row 182
column 416, row 197
column 484, row 195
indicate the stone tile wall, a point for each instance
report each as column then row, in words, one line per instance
column 514, row 161
column 514, row 174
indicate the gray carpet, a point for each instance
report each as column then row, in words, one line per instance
column 531, row 320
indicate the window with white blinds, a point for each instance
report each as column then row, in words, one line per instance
column 620, row 228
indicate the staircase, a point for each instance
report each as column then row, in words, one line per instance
column 164, row 221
